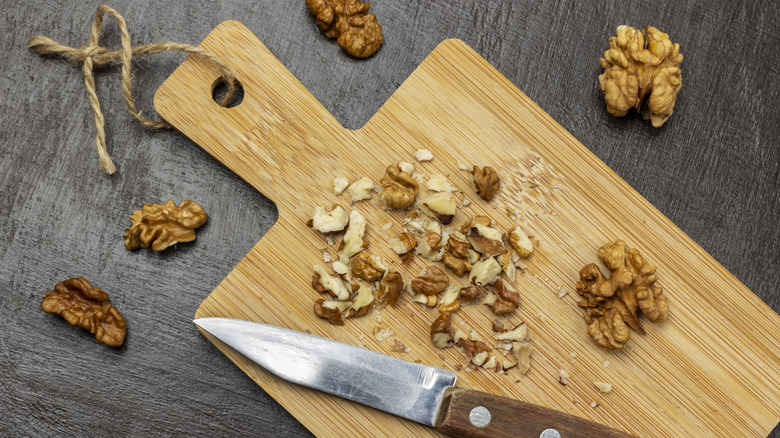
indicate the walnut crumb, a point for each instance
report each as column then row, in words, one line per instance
column 606, row 388
column 423, row 155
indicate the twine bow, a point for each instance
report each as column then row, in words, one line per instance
column 93, row 55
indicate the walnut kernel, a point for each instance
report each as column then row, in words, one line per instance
column 349, row 22
column 486, row 181
column 163, row 225
column 329, row 222
column 390, row 288
column 353, row 237
column 368, row 267
column 520, row 242
column 430, row 282
column 484, row 272
column 440, row 205
column 87, row 307
column 399, row 189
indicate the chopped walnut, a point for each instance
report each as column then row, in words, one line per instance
column 329, row 222
column 403, row 245
column 349, row 22
column 353, row 237
column 399, row 189
column 503, row 298
column 450, row 301
column 330, row 310
column 368, row 267
column 361, row 189
column 439, row 205
column 522, row 352
column 486, row 240
column 339, row 185
column 517, row 334
column 457, row 245
column 613, row 304
column 163, row 225
column 390, row 288
column 469, row 293
column 457, row 266
column 438, row 183
column 406, row 167
column 323, row 282
column 474, row 221
column 423, row 155
column 507, row 265
column 363, row 300
column 486, row 181
column 87, row 307
column 472, row 348
column 484, row 272
column 427, row 300
column 430, row 246
column 520, row 242
column 430, row 282
column 441, row 333
column 641, row 71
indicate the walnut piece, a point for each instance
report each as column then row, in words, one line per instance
column 486, row 240
column 474, row 221
column 403, row 245
column 423, row 155
column 430, row 245
column 441, row 333
column 641, row 71
column 363, row 300
column 457, row 245
column 450, row 301
column 87, row 307
column 438, row 183
column 399, row 189
column 368, row 267
column 390, row 288
column 484, row 272
column 323, row 282
column 469, row 293
column 353, row 237
column 329, row 222
column 439, row 205
column 517, row 334
column 163, row 225
column 520, row 242
column 356, row 30
column 503, row 298
column 330, row 310
column 486, row 181
column 456, row 265
column 431, row 281
column 339, row 185
column 613, row 304
column 361, row 189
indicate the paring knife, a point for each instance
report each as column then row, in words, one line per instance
column 417, row 392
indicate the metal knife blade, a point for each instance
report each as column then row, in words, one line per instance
column 417, row 392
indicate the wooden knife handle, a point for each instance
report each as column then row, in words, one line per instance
column 467, row 413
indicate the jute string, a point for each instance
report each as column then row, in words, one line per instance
column 93, row 56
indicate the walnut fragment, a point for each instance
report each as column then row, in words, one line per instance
column 613, row 304
column 430, row 282
column 399, row 189
column 641, row 71
column 87, row 307
column 163, row 225
column 356, row 30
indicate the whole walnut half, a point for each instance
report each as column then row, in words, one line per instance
column 87, row 307
column 486, row 181
column 613, row 304
column 641, row 71
column 163, row 225
column 356, row 30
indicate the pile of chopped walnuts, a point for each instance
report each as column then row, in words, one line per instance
column 486, row 257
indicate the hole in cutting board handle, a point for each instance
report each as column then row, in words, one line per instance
column 219, row 90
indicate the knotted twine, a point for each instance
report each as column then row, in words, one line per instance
column 93, row 56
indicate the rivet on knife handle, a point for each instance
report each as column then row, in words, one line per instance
column 468, row 413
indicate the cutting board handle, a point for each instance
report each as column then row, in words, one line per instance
column 270, row 135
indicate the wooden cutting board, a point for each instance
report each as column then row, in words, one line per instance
column 711, row 369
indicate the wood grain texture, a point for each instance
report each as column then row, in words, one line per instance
column 286, row 145
column 510, row 418
column 714, row 170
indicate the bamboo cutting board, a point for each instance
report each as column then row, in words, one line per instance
column 711, row 369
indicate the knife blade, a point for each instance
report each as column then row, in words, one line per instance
column 417, row 392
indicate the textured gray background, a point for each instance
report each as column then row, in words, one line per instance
column 713, row 169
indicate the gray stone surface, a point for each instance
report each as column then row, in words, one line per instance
column 714, row 170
